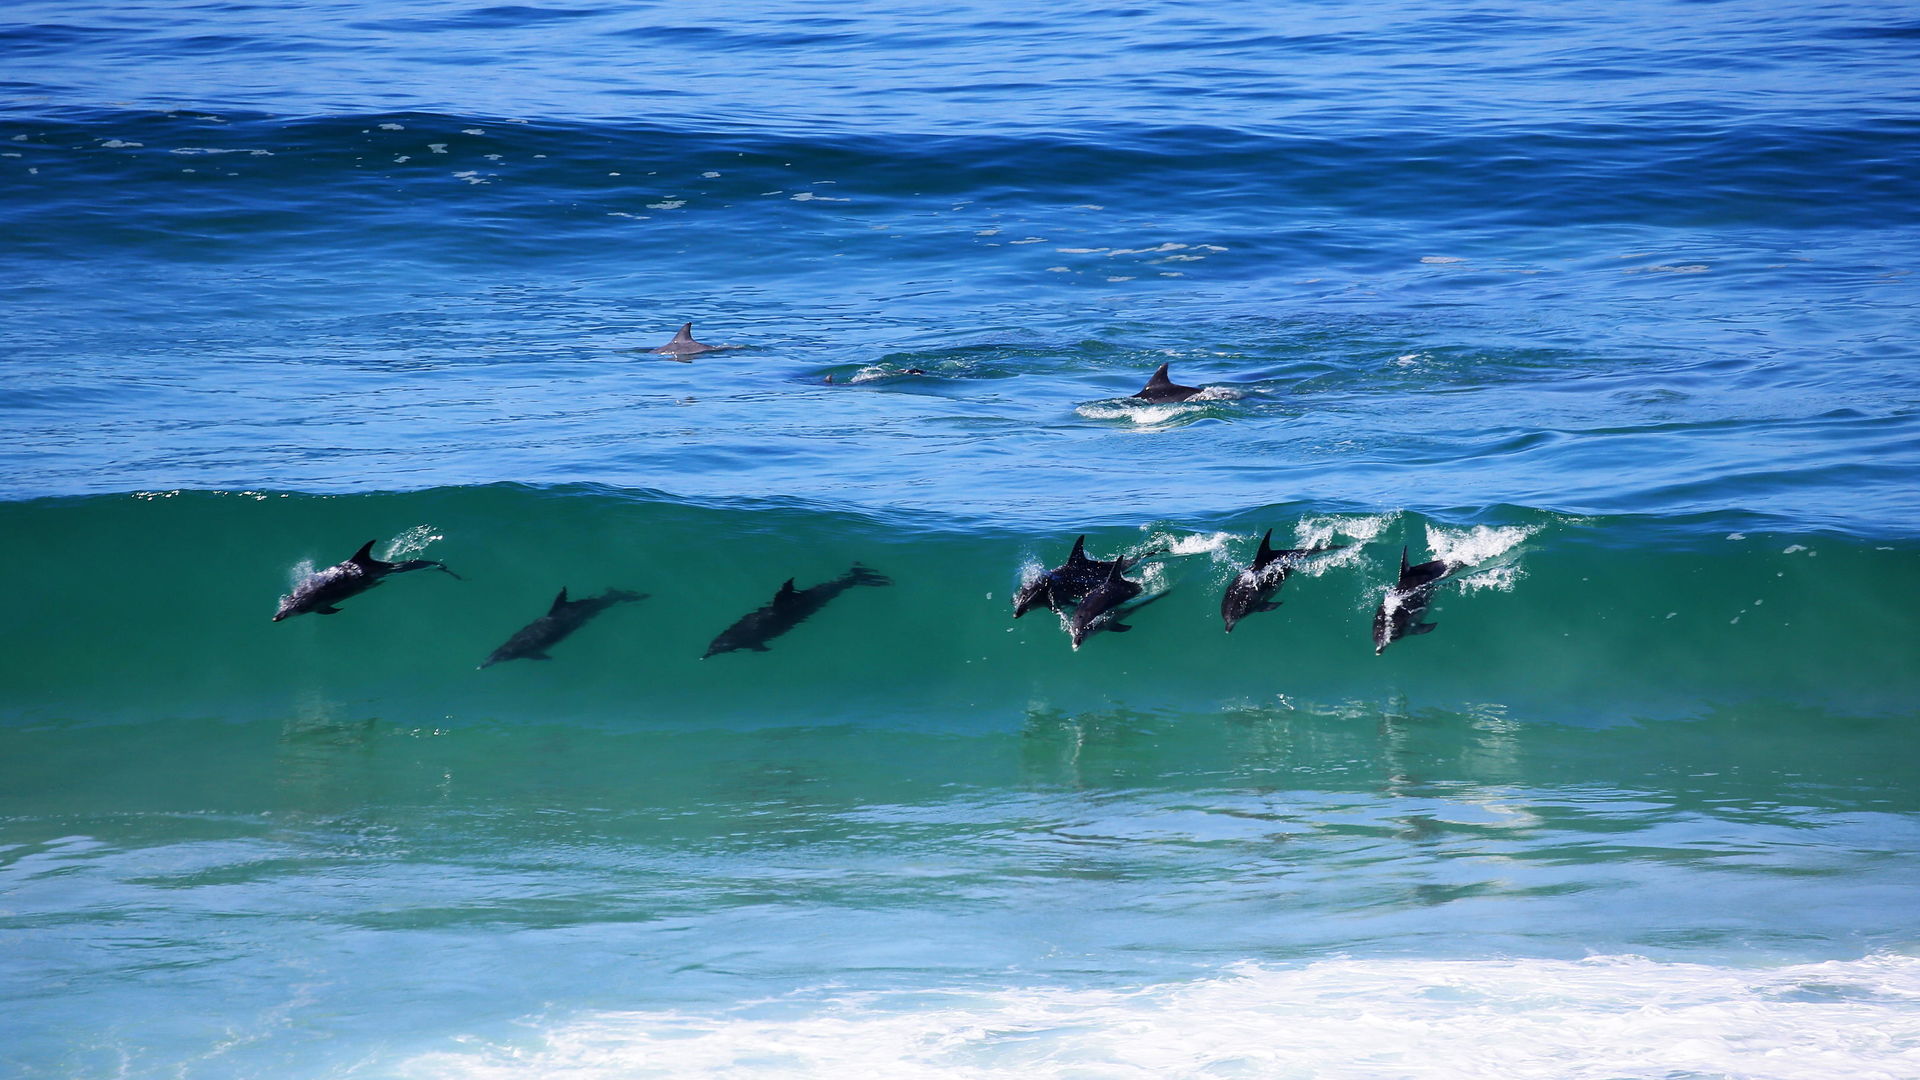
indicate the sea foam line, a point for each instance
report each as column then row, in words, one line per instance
column 1602, row 1018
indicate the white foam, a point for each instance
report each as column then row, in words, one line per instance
column 1340, row 1019
column 1191, row 544
column 411, row 543
column 1149, row 417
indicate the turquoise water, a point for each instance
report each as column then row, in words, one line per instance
column 1615, row 313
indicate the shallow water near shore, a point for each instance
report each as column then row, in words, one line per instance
column 1617, row 314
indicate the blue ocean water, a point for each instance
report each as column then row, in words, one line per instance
column 1611, row 311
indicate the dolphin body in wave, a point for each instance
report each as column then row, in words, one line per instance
column 532, row 641
column 1406, row 602
column 1251, row 589
column 789, row 608
column 1099, row 609
column 323, row 589
column 1064, row 584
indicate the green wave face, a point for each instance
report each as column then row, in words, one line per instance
column 158, row 606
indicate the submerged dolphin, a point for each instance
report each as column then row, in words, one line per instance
column 1400, row 612
column 1097, row 609
column 1064, row 584
column 1162, row 390
column 325, row 588
column 1250, row 590
column 683, row 346
column 788, row 609
column 532, row 641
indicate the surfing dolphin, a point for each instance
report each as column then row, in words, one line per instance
column 683, row 346
column 325, row 588
column 788, row 609
column 1400, row 612
column 1097, row 609
column 1064, row 584
column 1250, row 590
column 1161, row 389
column 532, row 641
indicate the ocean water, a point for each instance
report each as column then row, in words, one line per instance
column 1614, row 311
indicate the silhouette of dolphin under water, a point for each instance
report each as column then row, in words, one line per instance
column 532, row 641
column 789, row 608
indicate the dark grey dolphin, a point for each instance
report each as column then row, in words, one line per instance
column 1250, row 590
column 788, row 609
column 1097, row 608
column 1162, row 390
column 325, row 588
column 1400, row 612
column 532, row 641
column 1064, row 584
column 682, row 346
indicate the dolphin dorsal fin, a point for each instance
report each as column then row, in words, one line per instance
column 559, row 601
column 365, row 555
column 1266, row 553
column 785, row 590
column 1079, row 552
column 685, row 334
column 1160, row 376
column 1403, row 561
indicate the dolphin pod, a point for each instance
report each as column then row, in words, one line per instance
column 1091, row 596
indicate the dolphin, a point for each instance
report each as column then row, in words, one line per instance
column 1064, row 584
column 1097, row 608
column 325, row 588
column 1249, row 591
column 1400, row 612
column 683, row 346
column 788, row 609
column 1162, row 390
column 532, row 641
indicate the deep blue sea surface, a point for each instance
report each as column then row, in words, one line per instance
column 1610, row 311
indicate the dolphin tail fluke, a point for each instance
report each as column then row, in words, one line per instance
column 861, row 575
